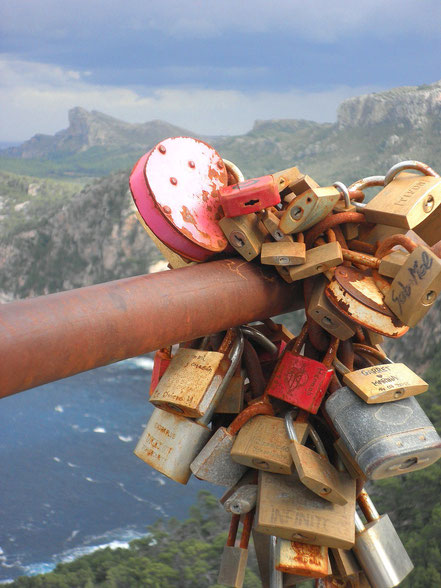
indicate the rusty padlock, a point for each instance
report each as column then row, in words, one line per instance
column 317, row 260
column 170, row 442
column 301, row 381
column 309, row 561
column 175, row 189
column 249, row 196
column 315, row 470
column 234, row 559
column 192, row 379
column 308, row 208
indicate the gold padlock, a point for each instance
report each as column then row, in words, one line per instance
column 309, row 208
column 310, row 561
column 233, row 398
column 391, row 263
column 234, row 558
column 288, row 509
column 326, row 315
column 263, row 443
column 192, row 378
column 283, row 252
column 344, row 563
column 286, row 177
column 415, row 287
column 270, row 220
column 245, row 233
column 407, row 200
column 318, row 260
column 315, row 471
column 382, row 383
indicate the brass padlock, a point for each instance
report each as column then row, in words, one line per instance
column 308, row 209
column 310, row 561
column 170, row 442
column 286, row 252
column 317, row 260
column 263, row 443
column 356, row 295
column 270, row 220
column 234, row 559
column 415, row 287
column 391, row 263
column 288, row 509
column 378, row 547
column 385, row 382
column 233, row 397
column 346, row 565
column 407, row 200
column 287, row 177
column 192, row 379
column 245, row 233
column 314, row 469
column 326, row 315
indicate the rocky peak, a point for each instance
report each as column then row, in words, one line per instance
column 408, row 107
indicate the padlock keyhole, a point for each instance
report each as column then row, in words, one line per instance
column 251, row 202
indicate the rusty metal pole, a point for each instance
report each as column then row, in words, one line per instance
column 52, row 337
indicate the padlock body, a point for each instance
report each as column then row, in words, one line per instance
column 382, row 554
column 317, row 260
column 293, row 557
column 308, row 208
column 190, row 382
column 233, row 566
column 263, row 443
column 326, row 315
column 407, row 201
column 249, row 196
column 286, row 252
column 387, row 439
column 415, row 287
column 320, row 476
column 287, row 509
column 385, row 383
column 233, row 397
column 300, row 381
column 345, row 563
column 245, row 233
column 169, row 444
column 214, row 464
column 286, row 177
column 391, row 263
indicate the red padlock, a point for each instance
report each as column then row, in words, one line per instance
column 299, row 380
column 249, row 196
column 161, row 362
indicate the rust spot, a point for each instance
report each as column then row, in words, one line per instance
column 167, row 209
column 162, row 149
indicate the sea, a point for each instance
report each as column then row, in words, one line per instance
column 70, row 483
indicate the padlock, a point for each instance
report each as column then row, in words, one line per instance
column 407, row 200
column 348, row 460
column 287, row 177
column 270, row 220
column 308, row 209
column 299, row 380
column 288, row 509
column 345, row 563
column 262, row 548
column 415, row 287
column 170, row 442
column 379, row 548
column 233, row 397
column 314, row 469
column 174, row 187
column 326, row 315
column 245, row 233
column 234, row 559
column 213, row 463
column 286, row 252
column 192, row 379
column 242, row 496
column 391, row 263
column 387, row 439
column 249, row 196
column 161, row 362
column 317, row 260
column 306, row 560
column 263, row 443
column 385, row 382
column 356, row 295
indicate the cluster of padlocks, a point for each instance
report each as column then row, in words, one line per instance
column 295, row 426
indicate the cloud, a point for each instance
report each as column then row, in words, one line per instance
column 320, row 20
column 35, row 98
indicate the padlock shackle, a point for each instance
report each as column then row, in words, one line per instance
column 290, row 429
column 387, row 245
column 368, row 182
column 234, row 170
column 255, row 335
column 254, row 370
column 340, row 367
column 332, row 220
column 362, row 258
column 359, row 525
column 259, row 408
column 367, row 506
column 235, row 354
column 232, row 533
column 331, row 352
column 410, row 164
column 342, row 188
column 275, row 576
column 371, row 351
column 246, row 531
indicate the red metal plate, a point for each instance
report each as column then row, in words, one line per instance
column 183, row 175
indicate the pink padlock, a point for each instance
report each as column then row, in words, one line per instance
column 175, row 188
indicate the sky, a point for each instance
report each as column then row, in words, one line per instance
column 212, row 67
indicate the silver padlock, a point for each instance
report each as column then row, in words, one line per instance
column 242, row 497
column 170, row 442
column 379, row 548
column 387, row 439
column 234, row 558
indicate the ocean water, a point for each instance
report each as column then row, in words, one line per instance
column 70, row 483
